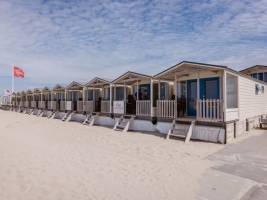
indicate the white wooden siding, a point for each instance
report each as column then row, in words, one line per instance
column 250, row 103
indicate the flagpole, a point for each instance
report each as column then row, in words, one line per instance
column 12, row 90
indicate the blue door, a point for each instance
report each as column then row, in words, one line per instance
column 210, row 88
column 191, row 97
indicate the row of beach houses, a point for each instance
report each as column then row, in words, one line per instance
column 188, row 100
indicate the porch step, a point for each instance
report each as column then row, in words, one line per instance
column 45, row 113
column 52, row 115
column 29, row 111
column 123, row 124
column 35, row 112
column 67, row 116
column 39, row 113
column 90, row 120
column 181, row 130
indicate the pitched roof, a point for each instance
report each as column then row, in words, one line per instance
column 183, row 63
column 253, row 67
column 97, row 80
column 74, row 84
column 130, row 75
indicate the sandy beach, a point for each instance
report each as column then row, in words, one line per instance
column 49, row 159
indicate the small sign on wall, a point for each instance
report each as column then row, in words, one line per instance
column 259, row 89
column 69, row 105
column 118, row 107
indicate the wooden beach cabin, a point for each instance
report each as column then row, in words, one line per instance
column 58, row 98
column 74, row 102
column 186, row 88
column 211, row 98
column 14, row 104
column 28, row 103
column 132, row 99
column 58, row 101
column 97, row 100
column 17, row 104
column 74, row 97
column 45, row 103
column 23, row 101
column 37, row 93
column 97, row 96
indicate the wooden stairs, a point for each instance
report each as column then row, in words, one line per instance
column 67, row 116
column 90, row 120
column 123, row 124
column 181, row 129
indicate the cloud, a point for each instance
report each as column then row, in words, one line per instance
column 60, row 41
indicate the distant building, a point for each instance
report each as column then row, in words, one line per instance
column 258, row 72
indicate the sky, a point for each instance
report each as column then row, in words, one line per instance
column 57, row 41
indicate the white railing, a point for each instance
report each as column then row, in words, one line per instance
column 26, row 104
column 33, row 104
column 88, row 106
column 105, row 106
column 79, row 106
column 41, row 105
column 62, row 106
column 166, row 108
column 21, row 104
column 209, row 110
column 69, row 105
column 5, row 100
column 49, row 105
column 143, row 107
column 53, row 105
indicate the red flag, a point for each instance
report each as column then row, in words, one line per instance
column 17, row 72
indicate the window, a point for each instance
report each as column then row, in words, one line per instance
column 254, row 75
column 257, row 88
column 231, row 91
column 90, row 95
column 182, row 89
column 260, row 76
column 265, row 76
column 144, row 92
column 212, row 89
column 164, row 88
column 209, row 88
column 60, row 96
column 106, row 94
column 119, row 93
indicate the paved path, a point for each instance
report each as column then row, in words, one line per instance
column 240, row 173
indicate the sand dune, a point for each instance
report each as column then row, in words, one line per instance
column 49, row 159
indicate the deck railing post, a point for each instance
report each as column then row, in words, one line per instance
column 110, row 98
column 176, row 98
column 198, row 95
column 151, row 98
